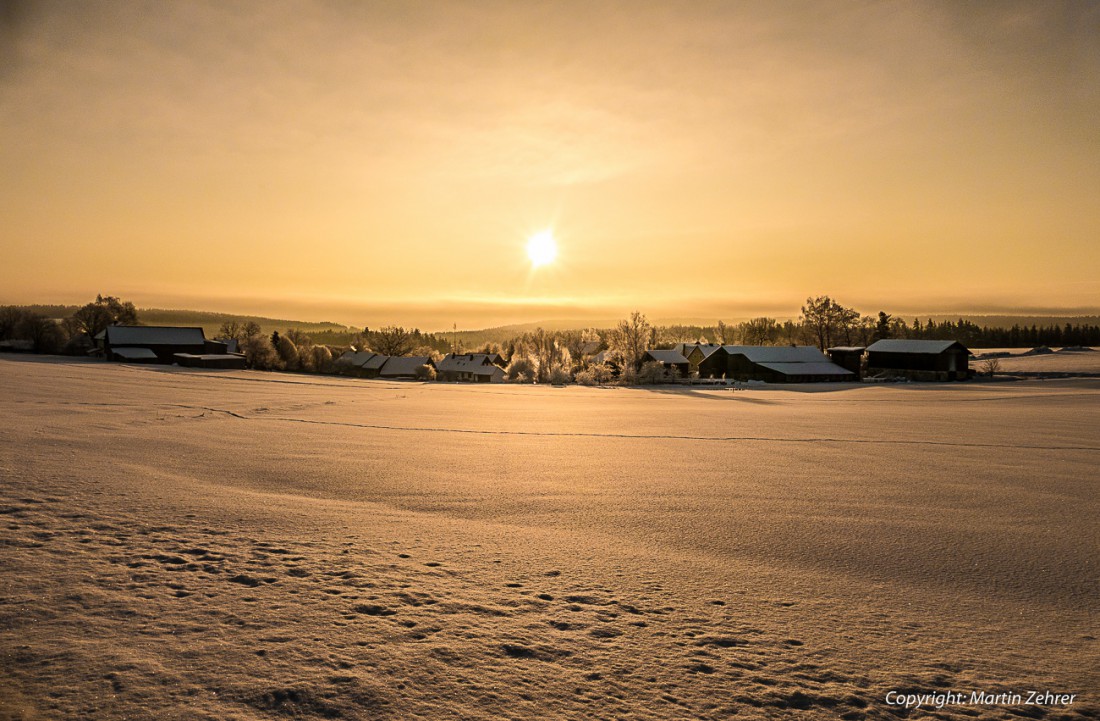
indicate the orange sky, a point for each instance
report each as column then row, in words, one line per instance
column 377, row 162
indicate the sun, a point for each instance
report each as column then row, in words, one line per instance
column 542, row 249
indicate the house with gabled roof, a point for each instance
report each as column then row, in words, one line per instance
column 944, row 360
column 470, row 368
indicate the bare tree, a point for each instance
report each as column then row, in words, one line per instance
column 828, row 320
column 391, row 340
column 723, row 334
column 235, row 330
column 104, row 311
column 760, row 331
column 629, row 339
column 991, row 367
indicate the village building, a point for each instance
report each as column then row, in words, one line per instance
column 921, row 360
column 368, row 364
column 150, row 343
column 773, row 364
column 364, row 364
column 850, row 357
column 470, row 368
column 211, row 360
column 695, row 353
column 404, row 366
column 672, row 361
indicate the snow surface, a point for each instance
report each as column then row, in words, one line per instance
column 180, row 544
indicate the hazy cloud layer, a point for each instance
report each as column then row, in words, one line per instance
column 907, row 154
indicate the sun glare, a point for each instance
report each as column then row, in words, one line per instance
column 542, row 249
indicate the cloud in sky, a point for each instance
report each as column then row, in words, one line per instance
column 401, row 153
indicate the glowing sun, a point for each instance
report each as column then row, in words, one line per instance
column 541, row 248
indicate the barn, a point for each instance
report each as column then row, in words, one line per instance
column 404, row 366
column 695, row 353
column 921, row 360
column 150, row 343
column 211, row 360
column 848, row 356
column 470, row 368
column 773, row 364
column 365, row 364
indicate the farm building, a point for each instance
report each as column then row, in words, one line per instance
column 671, row 360
column 922, row 360
column 773, row 364
column 695, row 353
column 470, row 368
column 404, row 366
column 365, row 364
column 849, row 357
column 149, row 343
column 211, row 360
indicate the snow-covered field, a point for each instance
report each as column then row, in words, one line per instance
column 180, row 544
column 1059, row 360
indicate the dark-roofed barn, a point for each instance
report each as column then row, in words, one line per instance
column 150, row 343
column 404, row 366
column 850, row 357
column 922, row 360
column 773, row 364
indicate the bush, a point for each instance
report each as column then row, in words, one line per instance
column 651, row 373
column 521, row 370
column 321, row 359
column 425, row 373
column 558, row 375
column 261, row 354
column 288, row 353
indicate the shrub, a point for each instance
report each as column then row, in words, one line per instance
column 651, row 373
column 261, row 354
column 288, row 353
column 521, row 370
column 322, row 359
column 425, row 373
column 559, row 375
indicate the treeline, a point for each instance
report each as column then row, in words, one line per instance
column 539, row 355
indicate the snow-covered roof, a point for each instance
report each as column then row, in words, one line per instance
column 467, row 362
column 808, row 369
column 146, row 335
column 904, row 345
column 667, row 357
column 202, row 356
column 706, row 349
column 404, row 365
column 354, row 359
column 375, row 362
column 134, row 353
column 778, row 353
